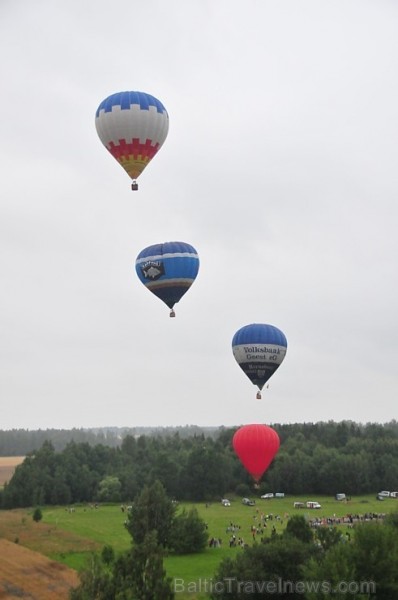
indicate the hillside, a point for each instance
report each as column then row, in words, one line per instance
column 7, row 467
column 28, row 574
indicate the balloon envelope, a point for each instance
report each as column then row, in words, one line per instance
column 168, row 270
column 259, row 350
column 132, row 126
column 256, row 446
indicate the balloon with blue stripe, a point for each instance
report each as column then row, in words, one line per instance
column 168, row 270
column 133, row 127
column 259, row 349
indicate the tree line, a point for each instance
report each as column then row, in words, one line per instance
column 323, row 458
column 19, row 442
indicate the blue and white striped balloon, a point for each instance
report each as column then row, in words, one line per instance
column 168, row 270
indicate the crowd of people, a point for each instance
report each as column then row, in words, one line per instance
column 263, row 522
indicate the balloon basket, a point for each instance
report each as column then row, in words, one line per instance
column 134, row 186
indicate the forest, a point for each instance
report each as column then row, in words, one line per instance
column 19, row 442
column 324, row 458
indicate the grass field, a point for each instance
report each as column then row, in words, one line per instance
column 70, row 536
column 106, row 526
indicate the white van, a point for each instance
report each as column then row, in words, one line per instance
column 384, row 494
column 313, row 505
column 341, row 497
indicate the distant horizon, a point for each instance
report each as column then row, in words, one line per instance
column 193, row 426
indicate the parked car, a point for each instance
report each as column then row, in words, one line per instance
column 280, row 495
column 267, row 496
column 225, row 502
column 298, row 505
column 248, row 502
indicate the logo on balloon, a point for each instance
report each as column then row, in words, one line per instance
column 152, row 270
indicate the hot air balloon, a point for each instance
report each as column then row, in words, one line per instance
column 256, row 447
column 168, row 270
column 133, row 127
column 259, row 350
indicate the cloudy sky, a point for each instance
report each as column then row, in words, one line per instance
column 280, row 168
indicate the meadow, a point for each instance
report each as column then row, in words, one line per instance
column 70, row 534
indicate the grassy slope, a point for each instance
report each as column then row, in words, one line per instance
column 28, row 574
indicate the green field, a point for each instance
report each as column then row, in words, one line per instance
column 105, row 525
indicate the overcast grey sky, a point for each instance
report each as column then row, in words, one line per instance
column 280, row 168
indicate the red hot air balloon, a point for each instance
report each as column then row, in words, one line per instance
column 256, row 447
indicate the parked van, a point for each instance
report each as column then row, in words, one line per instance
column 298, row 505
column 341, row 497
column 313, row 505
column 394, row 495
column 279, row 495
column 384, row 494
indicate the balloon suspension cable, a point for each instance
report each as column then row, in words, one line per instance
column 172, row 313
column 258, row 395
column 134, row 186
